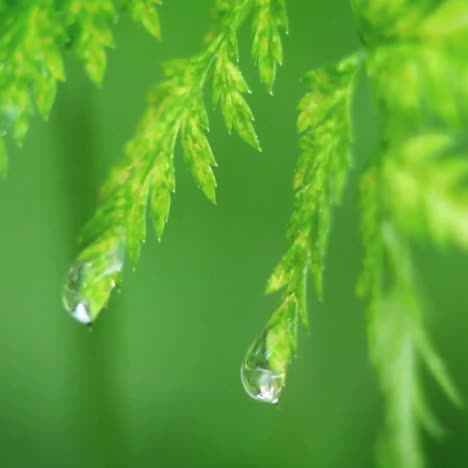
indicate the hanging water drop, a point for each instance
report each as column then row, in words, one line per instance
column 263, row 372
column 261, row 378
column 262, row 384
column 90, row 281
column 76, row 305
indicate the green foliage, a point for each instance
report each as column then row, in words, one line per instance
column 30, row 61
column 92, row 278
column 267, row 50
column 264, row 369
column 429, row 53
column 324, row 123
column 176, row 109
column 414, row 190
column 143, row 11
column 398, row 342
column 90, row 29
column 430, row 170
column 33, row 37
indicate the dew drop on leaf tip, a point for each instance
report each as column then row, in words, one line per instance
column 262, row 384
column 263, row 372
column 89, row 284
column 73, row 301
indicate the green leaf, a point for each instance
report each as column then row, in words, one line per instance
column 45, row 97
column 437, row 367
column 93, row 276
column 425, row 186
column 145, row 12
column 426, row 57
column 175, row 110
column 31, row 47
column 281, row 338
column 228, row 88
column 271, row 353
column 321, row 171
column 390, row 20
column 163, row 184
column 266, row 363
column 199, row 156
column 136, row 223
column 399, row 346
column 31, row 63
column 325, row 128
column 369, row 283
column 89, row 24
column 448, row 23
column 269, row 20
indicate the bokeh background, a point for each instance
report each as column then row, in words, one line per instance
column 156, row 382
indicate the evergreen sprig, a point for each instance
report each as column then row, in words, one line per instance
column 176, row 110
column 398, row 342
column 414, row 190
column 431, row 170
column 90, row 26
column 430, row 51
column 30, row 65
column 324, row 124
column 34, row 35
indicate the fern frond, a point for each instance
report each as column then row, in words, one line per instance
column 269, row 21
column 426, row 187
column 176, row 110
column 370, row 280
column 325, row 126
column 430, row 60
column 89, row 26
column 145, row 13
column 264, row 369
column 90, row 30
column 383, row 21
column 399, row 344
column 415, row 189
column 33, row 37
column 30, row 63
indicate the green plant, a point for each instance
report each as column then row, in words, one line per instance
column 413, row 190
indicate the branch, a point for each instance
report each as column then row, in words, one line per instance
column 414, row 189
column 324, row 123
column 34, row 34
column 146, row 177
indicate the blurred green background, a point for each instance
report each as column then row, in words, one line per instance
column 156, row 383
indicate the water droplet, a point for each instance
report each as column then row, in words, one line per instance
column 262, row 377
column 73, row 301
column 89, row 284
column 263, row 372
column 262, row 384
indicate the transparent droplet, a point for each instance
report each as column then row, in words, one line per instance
column 263, row 372
column 76, row 305
column 262, row 384
column 89, row 284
